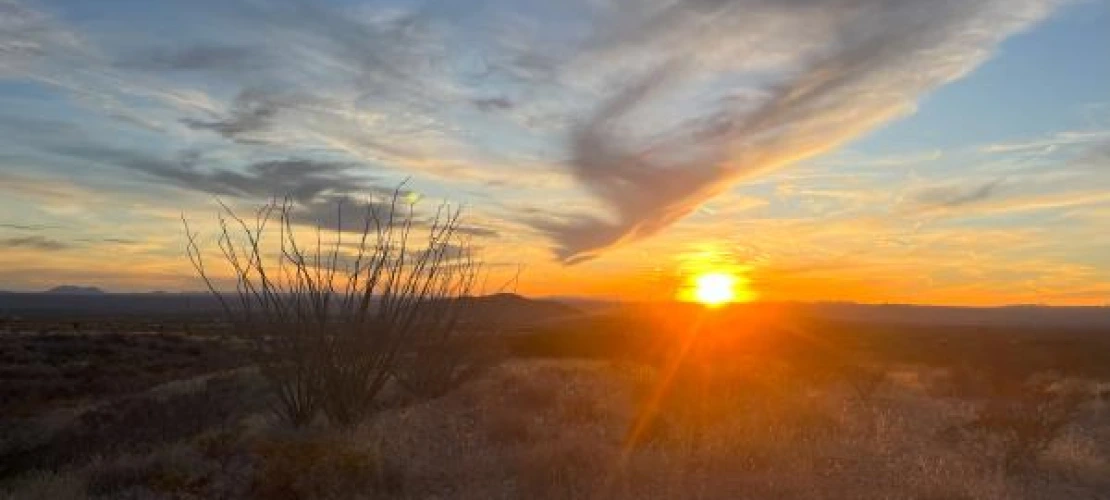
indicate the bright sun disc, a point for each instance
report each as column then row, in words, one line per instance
column 714, row 289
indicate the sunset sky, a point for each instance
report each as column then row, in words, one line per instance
column 947, row 152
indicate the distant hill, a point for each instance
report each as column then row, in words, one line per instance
column 90, row 301
column 1011, row 316
column 75, row 290
column 502, row 309
column 512, row 309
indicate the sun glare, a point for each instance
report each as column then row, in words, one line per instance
column 715, row 289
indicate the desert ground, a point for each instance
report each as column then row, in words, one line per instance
column 591, row 405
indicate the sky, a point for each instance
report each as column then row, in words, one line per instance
column 883, row 151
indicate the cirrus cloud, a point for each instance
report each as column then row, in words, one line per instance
column 858, row 65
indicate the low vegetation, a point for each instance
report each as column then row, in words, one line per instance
column 42, row 370
column 583, row 429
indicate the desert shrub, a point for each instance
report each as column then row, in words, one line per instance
column 20, row 438
column 163, row 418
column 327, row 328
column 178, row 470
column 295, row 467
column 221, row 444
column 568, row 468
column 45, row 485
column 531, row 396
column 94, row 366
column 505, row 427
column 864, row 381
column 132, row 423
column 1024, row 418
column 27, row 371
column 438, row 364
column 579, row 407
column 452, row 345
column 965, row 382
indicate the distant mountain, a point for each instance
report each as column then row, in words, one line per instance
column 75, row 290
column 586, row 303
column 502, row 309
column 512, row 309
column 1014, row 316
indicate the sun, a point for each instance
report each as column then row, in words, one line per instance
column 715, row 289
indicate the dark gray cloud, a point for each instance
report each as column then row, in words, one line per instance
column 35, row 243
column 26, row 227
column 115, row 241
column 478, row 231
column 349, row 213
column 120, row 241
column 215, row 58
column 451, row 252
column 330, row 195
column 253, row 111
column 493, row 104
column 954, row 195
column 300, row 179
column 345, row 213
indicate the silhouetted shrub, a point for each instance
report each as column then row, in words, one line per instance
column 439, row 363
column 327, row 331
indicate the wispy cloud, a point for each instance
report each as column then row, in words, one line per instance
column 953, row 195
column 253, row 111
column 28, row 37
column 582, row 125
column 1050, row 144
column 653, row 107
column 1069, row 182
column 26, row 227
column 300, row 179
column 34, row 242
column 882, row 56
column 355, row 214
column 46, row 189
column 209, row 57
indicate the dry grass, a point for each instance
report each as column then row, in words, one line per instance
column 561, row 434
column 542, row 429
column 41, row 371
